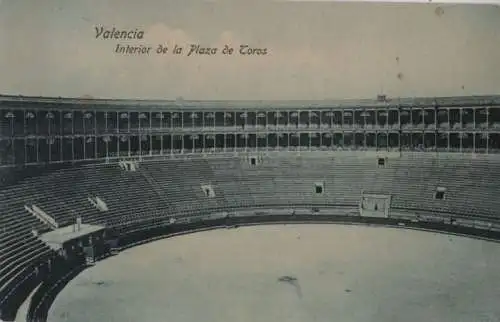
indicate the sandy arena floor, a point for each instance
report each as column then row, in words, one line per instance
column 334, row 273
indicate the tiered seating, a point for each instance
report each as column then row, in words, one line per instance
column 290, row 180
column 128, row 195
column 180, row 184
column 412, row 183
column 63, row 195
column 173, row 189
column 57, row 195
column 20, row 250
column 470, row 185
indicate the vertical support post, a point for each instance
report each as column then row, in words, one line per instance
column 95, row 133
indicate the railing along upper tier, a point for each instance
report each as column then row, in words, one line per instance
column 55, row 130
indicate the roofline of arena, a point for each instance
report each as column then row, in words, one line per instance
column 98, row 103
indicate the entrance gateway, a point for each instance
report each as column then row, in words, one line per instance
column 374, row 205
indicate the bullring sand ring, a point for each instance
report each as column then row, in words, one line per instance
column 291, row 273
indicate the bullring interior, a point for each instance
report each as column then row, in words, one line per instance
column 83, row 179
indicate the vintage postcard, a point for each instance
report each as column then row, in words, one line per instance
column 234, row 161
